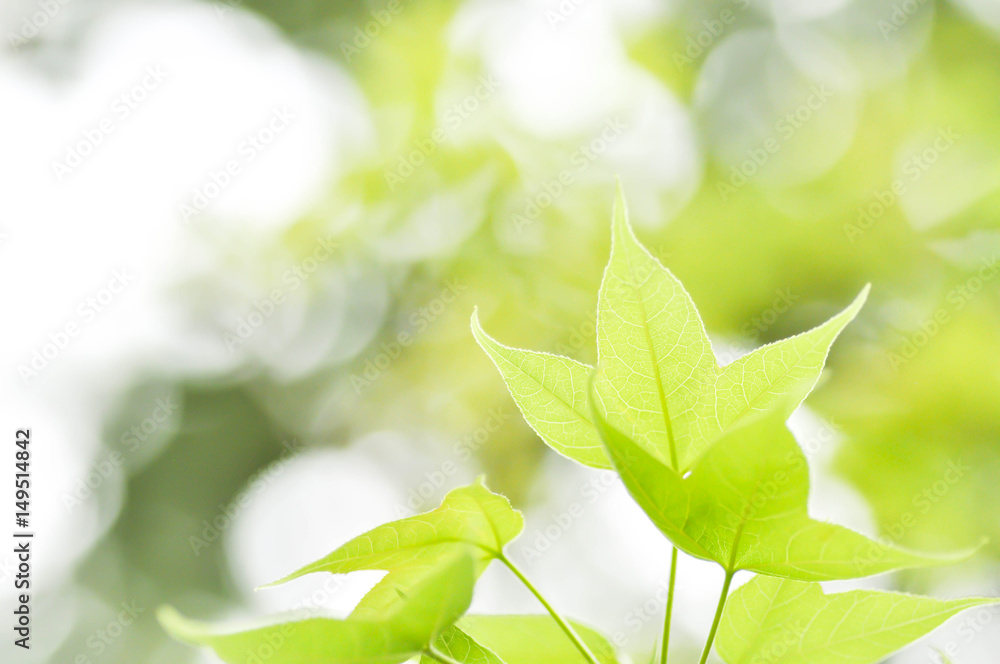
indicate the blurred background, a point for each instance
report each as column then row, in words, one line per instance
column 240, row 243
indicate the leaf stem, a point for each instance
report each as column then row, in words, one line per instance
column 434, row 653
column 563, row 624
column 718, row 616
column 665, row 644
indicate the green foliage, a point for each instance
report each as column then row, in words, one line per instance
column 518, row 640
column 458, row 645
column 430, row 602
column 470, row 518
column 744, row 506
column 786, row 622
column 704, row 451
column 551, row 392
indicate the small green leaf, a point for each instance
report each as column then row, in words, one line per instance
column 433, row 603
column 793, row 622
column 519, row 640
column 458, row 645
column 550, row 391
column 749, row 495
column 471, row 515
column 744, row 506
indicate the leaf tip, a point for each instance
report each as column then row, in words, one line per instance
column 863, row 295
column 173, row 623
column 943, row 659
column 166, row 614
column 477, row 329
column 278, row 582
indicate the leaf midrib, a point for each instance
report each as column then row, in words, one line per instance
column 655, row 361
column 881, row 630
column 406, row 547
column 770, row 386
column 546, row 389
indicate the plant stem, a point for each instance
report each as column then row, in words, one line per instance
column 434, row 653
column 565, row 626
column 665, row 644
column 718, row 616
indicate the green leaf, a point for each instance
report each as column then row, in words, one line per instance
column 458, row 645
column 470, row 516
column 749, row 496
column 433, row 602
column 518, row 640
column 550, row 391
column 793, row 622
column 666, row 390
column 744, row 506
